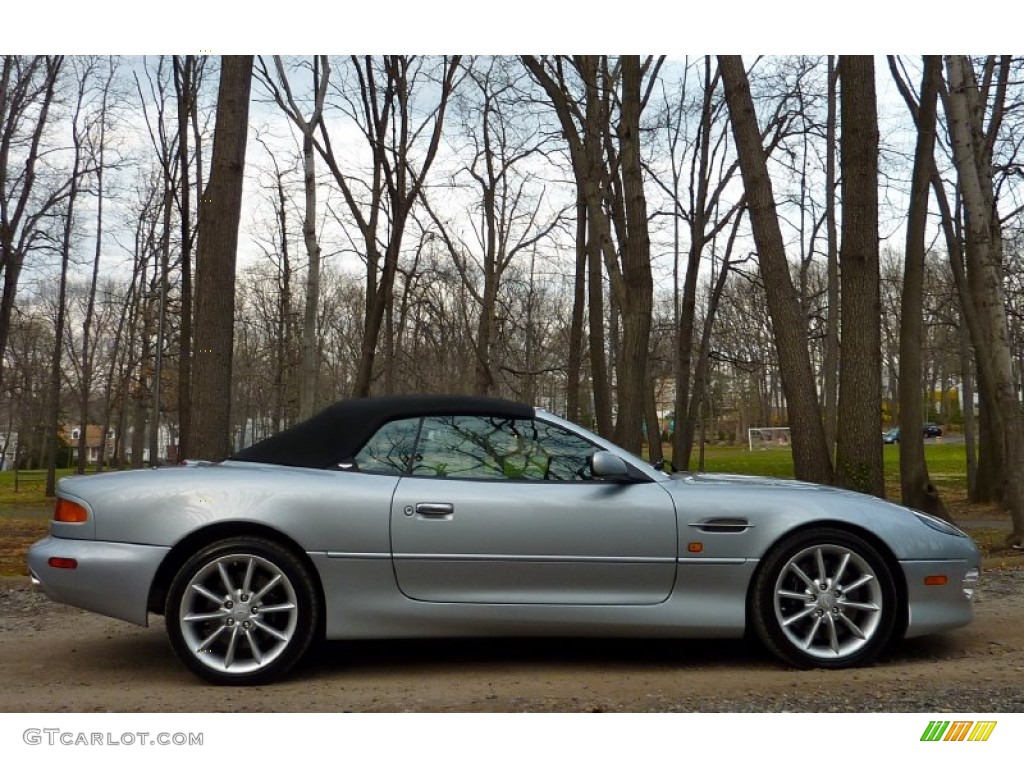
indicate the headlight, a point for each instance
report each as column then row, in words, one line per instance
column 938, row 524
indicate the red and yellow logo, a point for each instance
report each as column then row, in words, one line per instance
column 958, row 730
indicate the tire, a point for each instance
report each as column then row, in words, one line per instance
column 242, row 611
column 846, row 624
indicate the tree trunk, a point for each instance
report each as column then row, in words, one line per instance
column 219, row 215
column 633, row 380
column 579, row 297
column 967, row 406
column 307, row 396
column 915, row 484
column 598, row 358
column 859, row 446
column 651, row 424
column 700, row 374
column 88, row 347
column 53, row 397
column 185, row 86
column 161, row 321
column 831, row 357
column 811, row 459
column 984, row 276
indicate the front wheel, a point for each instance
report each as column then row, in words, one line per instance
column 242, row 611
column 825, row 598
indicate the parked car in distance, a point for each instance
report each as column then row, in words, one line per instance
column 930, row 429
column 450, row 516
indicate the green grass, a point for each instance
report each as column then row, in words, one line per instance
column 25, row 513
column 947, row 463
column 947, row 467
column 29, row 491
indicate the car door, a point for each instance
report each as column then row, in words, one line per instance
column 505, row 511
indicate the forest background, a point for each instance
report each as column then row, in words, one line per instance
column 676, row 246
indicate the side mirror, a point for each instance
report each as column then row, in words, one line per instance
column 608, row 466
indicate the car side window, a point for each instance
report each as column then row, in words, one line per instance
column 389, row 450
column 570, row 454
column 494, row 448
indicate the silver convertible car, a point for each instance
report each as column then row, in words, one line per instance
column 428, row 516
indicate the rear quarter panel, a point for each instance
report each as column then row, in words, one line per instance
column 321, row 510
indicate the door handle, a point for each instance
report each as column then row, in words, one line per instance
column 434, row 509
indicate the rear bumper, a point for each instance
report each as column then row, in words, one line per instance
column 111, row 578
column 938, row 608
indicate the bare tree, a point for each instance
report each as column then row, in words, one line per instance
column 84, row 69
column 167, row 150
column 706, row 214
column 915, row 483
column 830, row 361
column 27, row 87
column 981, row 475
column 381, row 102
column 606, row 158
column 276, row 246
column 811, row 458
column 972, row 151
column 219, row 212
column 188, row 72
column 97, row 146
column 859, row 449
column 281, row 91
column 512, row 215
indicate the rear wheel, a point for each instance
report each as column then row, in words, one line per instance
column 242, row 611
column 825, row 598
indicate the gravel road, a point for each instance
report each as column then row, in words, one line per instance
column 55, row 658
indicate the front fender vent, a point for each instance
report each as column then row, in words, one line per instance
column 723, row 525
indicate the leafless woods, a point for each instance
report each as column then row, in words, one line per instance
column 671, row 251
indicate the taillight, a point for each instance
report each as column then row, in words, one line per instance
column 70, row 512
column 63, row 562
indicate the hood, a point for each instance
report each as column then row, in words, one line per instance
column 800, row 491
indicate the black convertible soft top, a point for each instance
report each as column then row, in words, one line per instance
column 338, row 432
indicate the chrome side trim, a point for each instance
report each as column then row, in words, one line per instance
column 360, row 555
column 533, row 558
column 537, row 558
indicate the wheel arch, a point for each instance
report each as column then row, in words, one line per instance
column 883, row 549
column 198, row 539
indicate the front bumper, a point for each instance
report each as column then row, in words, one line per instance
column 938, row 608
column 112, row 578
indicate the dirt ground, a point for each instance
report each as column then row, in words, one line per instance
column 55, row 658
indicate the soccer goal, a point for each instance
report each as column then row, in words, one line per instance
column 768, row 438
